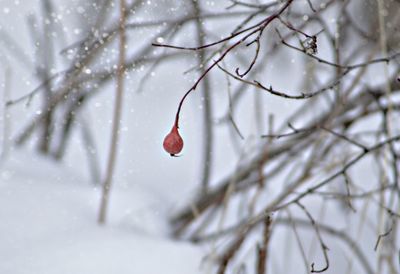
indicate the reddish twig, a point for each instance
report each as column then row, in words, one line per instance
column 257, row 28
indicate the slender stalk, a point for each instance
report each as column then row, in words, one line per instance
column 207, row 114
column 387, row 128
column 5, row 127
column 116, row 120
column 47, row 58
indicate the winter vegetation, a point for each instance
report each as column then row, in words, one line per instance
column 225, row 136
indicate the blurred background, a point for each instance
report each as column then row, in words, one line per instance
column 291, row 139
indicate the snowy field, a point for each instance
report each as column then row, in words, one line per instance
column 48, row 225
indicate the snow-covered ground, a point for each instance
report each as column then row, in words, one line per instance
column 48, row 225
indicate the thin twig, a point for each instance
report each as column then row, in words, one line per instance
column 324, row 247
column 116, row 119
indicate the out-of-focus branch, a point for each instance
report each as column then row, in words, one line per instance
column 207, row 103
column 262, row 250
column 116, row 119
column 5, row 115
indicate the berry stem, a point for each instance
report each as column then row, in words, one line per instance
column 180, row 106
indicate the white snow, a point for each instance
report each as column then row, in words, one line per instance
column 48, row 225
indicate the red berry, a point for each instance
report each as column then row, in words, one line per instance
column 173, row 142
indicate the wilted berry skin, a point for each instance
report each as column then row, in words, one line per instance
column 173, row 142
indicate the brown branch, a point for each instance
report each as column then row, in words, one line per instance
column 329, row 230
column 257, row 42
column 324, row 247
column 207, row 162
column 346, row 67
column 383, row 235
column 230, row 252
column 116, row 119
column 303, row 95
column 341, row 171
column 259, row 29
column 262, row 250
